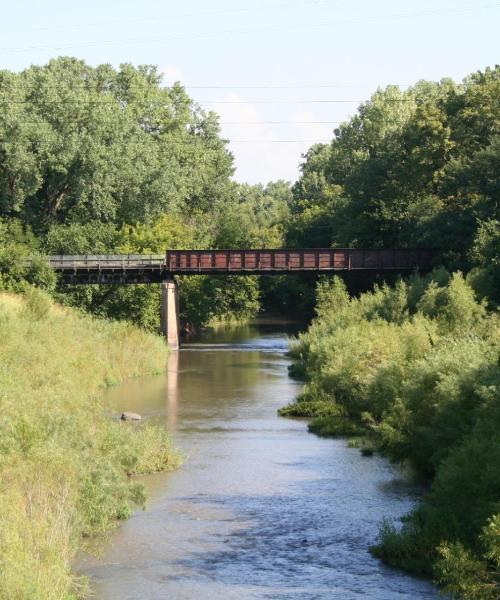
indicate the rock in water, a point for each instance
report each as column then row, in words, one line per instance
column 130, row 416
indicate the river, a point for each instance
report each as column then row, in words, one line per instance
column 260, row 508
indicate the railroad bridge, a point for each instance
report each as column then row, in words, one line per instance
column 162, row 268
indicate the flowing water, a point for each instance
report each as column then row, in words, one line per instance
column 260, row 508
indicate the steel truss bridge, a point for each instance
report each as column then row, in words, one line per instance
column 155, row 268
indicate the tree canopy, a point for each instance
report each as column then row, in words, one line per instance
column 81, row 143
column 412, row 168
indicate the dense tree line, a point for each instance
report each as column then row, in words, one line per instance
column 82, row 144
column 415, row 367
column 105, row 160
column 99, row 160
column 414, row 168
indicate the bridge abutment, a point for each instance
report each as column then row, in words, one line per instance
column 170, row 322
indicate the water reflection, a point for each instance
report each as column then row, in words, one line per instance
column 172, row 396
column 261, row 508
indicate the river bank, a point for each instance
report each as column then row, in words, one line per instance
column 66, row 467
column 260, row 509
column 415, row 368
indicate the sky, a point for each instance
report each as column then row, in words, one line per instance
column 280, row 73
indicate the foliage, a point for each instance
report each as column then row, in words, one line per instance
column 486, row 255
column 66, row 467
column 416, row 366
column 139, row 304
column 17, row 242
column 205, row 300
column 81, row 143
column 105, row 160
column 465, row 576
column 100, row 160
column 311, row 408
column 253, row 217
column 412, row 168
column 327, row 426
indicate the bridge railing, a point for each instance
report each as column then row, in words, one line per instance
column 104, row 261
column 280, row 260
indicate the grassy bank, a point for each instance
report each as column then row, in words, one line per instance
column 415, row 368
column 65, row 468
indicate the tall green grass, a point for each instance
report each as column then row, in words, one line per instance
column 65, row 469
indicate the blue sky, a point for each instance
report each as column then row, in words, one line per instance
column 354, row 45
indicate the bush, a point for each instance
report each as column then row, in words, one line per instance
column 311, row 408
column 37, row 304
column 335, row 427
column 465, row 576
column 416, row 367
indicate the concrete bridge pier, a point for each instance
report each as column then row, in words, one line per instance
column 170, row 323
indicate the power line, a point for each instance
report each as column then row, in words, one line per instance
column 25, row 122
column 195, row 140
column 280, row 122
column 286, row 87
column 279, row 141
column 298, row 101
column 180, row 15
column 116, row 101
column 225, row 33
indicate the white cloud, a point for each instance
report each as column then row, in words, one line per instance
column 171, row 74
column 258, row 158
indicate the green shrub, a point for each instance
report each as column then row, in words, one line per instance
column 466, row 576
column 335, row 427
column 416, row 368
column 405, row 548
column 37, row 304
column 311, row 408
column 367, row 451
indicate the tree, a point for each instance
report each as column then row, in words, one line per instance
column 79, row 143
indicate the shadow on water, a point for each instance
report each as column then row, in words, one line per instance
column 261, row 508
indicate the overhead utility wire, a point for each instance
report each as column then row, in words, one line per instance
column 280, row 122
column 26, row 122
column 253, row 8
column 259, row 30
column 195, row 140
column 285, row 87
column 279, row 141
column 298, row 101
column 160, row 102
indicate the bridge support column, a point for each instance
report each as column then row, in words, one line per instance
column 170, row 324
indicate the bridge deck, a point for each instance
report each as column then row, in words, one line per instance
column 151, row 268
